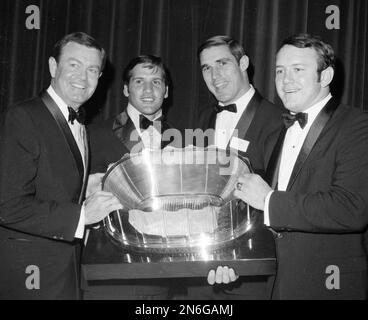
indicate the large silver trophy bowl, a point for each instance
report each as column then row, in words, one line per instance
column 177, row 199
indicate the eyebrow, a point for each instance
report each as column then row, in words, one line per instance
column 80, row 62
column 223, row 59
column 217, row 61
column 141, row 77
column 293, row 65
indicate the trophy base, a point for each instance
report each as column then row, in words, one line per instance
column 251, row 254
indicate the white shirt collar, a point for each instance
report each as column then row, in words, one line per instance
column 134, row 114
column 314, row 110
column 59, row 102
column 243, row 101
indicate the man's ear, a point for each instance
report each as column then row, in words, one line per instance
column 52, row 66
column 166, row 92
column 327, row 76
column 126, row 90
column 244, row 63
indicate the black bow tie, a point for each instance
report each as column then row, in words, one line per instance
column 76, row 115
column 289, row 119
column 229, row 107
column 145, row 123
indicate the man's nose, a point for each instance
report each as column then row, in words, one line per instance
column 215, row 73
column 147, row 87
column 288, row 76
column 82, row 73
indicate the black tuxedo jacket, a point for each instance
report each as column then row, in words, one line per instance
column 321, row 216
column 41, row 185
column 110, row 140
column 260, row 124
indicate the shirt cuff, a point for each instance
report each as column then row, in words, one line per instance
column 80, row 229
column 266, row 212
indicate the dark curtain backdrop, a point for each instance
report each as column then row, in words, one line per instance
column 173, row 29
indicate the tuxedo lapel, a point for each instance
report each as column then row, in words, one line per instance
column 86, row 161
column 212, row 119
column 65, row 130
column 124, row 129
column 272, row 172
column 212, row 125
column 311, row 139
column 247, row 117
column 165, row 126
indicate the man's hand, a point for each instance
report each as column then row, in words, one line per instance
column 94, row 183
column 222, row 275
column 252, row 189
column 99, row 205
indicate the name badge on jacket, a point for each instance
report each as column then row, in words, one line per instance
column 239, row 144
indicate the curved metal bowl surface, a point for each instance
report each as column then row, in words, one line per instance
column 177, row 199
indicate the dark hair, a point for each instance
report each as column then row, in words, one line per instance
column 326, row 55
column 234, row 46
column 80, row 38
column 150, row 62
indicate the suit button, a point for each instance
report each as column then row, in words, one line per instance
column 279, row 235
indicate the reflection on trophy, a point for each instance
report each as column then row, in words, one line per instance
column 177, row 200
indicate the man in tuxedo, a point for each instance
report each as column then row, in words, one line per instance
column 43, row 178
column 318, row 199
column 141, row 125
column 242, row 120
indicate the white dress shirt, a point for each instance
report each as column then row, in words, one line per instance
column 226, row 121
column 77, row 129
column 151, row 138
column 79, row 132
column 293, row 142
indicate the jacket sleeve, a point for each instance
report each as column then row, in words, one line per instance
column 21, row 208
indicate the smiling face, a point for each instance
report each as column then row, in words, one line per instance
column 146, row 90
column 224, row 76
column 75, row 76
column 297, row 81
